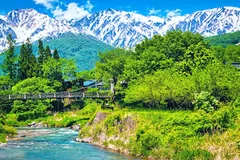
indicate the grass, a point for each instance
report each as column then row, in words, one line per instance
column 170, row 134
column 159, row 134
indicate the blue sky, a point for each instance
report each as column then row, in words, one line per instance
column 70, row 9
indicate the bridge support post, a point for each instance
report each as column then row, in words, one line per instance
column 112, row 86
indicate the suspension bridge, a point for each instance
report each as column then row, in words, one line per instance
column 56, row 95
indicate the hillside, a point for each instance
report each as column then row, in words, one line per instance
column 225, row 39
column 83, row 49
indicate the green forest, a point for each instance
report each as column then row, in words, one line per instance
column 175, row 96
column 224, row 39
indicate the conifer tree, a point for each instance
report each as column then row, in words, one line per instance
column 47, row 53
column 40, row 57
column 40, row 52
column 22, row 63
column 9, row 65
column 27, row 61
column 55, row 54
column 31, row 60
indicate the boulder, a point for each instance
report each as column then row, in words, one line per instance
column 84, row 140
column 75, row 127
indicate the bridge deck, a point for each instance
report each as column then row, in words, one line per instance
column 56, row 95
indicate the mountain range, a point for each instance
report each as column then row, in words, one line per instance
column 114, row 27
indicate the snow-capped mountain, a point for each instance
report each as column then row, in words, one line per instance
column 212, row 22
column 28, row 23
column 126, row 29
column 118, row 28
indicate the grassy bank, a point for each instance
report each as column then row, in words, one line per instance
column 59, row 119
column 157, row 134
column 167, row 134
column 5, row 129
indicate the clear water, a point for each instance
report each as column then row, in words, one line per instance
column 59, row 145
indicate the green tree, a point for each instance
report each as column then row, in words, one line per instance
column 33, row 85
column 22, row 63
column 55, row 54
column 52, row 70
column 58, row 70
column 40, row 52
column 161, row 88
column 48, row 53
column 27, row 62
column 177, row 42
column 40, row 59
column 147, row 62
column 86, row 75
column 220, row 80
column 32, row 109
column 196, row 56
column 111, row 65
column 9, row 65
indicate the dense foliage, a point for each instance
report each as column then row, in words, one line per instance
column 225, row 39
column 27, row 73
column 168, row 71
column 179, row 72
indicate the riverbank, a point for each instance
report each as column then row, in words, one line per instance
column 153, row 134
column 27, row 132
column 57, row 145
column 163, row 134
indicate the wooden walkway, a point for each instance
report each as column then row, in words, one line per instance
column 56, row 95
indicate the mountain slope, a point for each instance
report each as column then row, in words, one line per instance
column 225, row 39
column 83, row 49
column 212, row 21
column 117, row 28
column 28, row 23
column 126, row 29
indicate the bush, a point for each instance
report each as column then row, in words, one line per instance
column 205, row 101
column 2, row 137
column 193, row 154
column 10, row 130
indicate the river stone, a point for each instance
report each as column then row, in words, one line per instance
column 78, row 139
column 84, row 140
column 33, row 124
column 75, row 127
column 3, row 144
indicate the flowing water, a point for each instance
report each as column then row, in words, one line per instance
column 57, row 145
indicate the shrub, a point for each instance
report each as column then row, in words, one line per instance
column 205, row 101
column 193, row 154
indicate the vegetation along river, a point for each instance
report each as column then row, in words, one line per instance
column 55, row 144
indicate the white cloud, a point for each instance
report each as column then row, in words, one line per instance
column 73, row 11
column 89, row 6
column 173, row 13
column 70, row 11
column 154, row 11
column 46, row 3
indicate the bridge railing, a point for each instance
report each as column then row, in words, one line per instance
column 56, row 95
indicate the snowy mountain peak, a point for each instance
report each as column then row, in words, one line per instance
column 28, row 23
column 118, row 28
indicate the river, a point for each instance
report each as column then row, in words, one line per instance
column 59, row 144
